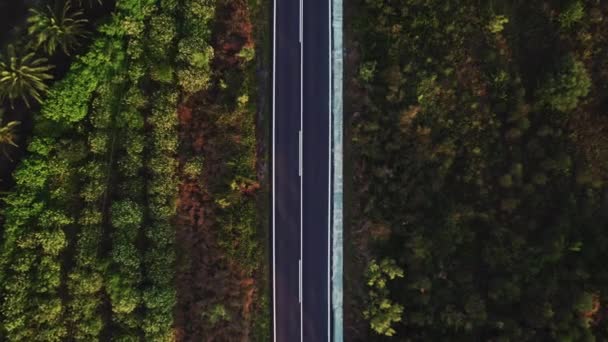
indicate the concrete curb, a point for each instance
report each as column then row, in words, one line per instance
column 337, row 59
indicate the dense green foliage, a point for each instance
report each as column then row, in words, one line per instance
column 44, row 208
column 478, row 171
column 195, row 51
column 159, row 297
column 88, row 247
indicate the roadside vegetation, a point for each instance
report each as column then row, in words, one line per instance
column 131, row 213
column 480, row 165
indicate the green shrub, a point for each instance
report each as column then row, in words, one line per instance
column 218, row 314
column 247, row 54
column 382, row 312
column 367, row 71
column 497, row 24
column 194, row 168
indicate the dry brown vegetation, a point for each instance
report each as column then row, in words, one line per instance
column 217, row 294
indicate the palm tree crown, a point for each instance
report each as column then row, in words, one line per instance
column 51, row 29
column 23, row 76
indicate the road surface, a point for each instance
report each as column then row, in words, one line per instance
column 315, row 175
column 286, row 181
column 301, row 169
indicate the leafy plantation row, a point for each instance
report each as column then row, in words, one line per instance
column 88, row 246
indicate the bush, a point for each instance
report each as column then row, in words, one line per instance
column 194, row 168
column 497, row 24
column 367, row 71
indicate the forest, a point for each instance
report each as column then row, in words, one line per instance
column 130, row 182
column 477, row 176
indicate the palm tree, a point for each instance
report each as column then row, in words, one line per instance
column 23, row 76
column 51, row 29
column 8, row 133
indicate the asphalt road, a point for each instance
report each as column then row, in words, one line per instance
column 315, row 174
column 301, row 204
column 286, row 181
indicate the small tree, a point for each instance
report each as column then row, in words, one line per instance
column 51, row 29
column 23, row 76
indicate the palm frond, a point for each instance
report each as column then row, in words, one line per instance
column 51, row 29
column 90, row 3
column 23, row 76
column 8, row 133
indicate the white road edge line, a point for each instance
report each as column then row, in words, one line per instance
column 301, row 25
column 274, row 254
column 300, row 280
column 300, row 35
column 329, row 192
